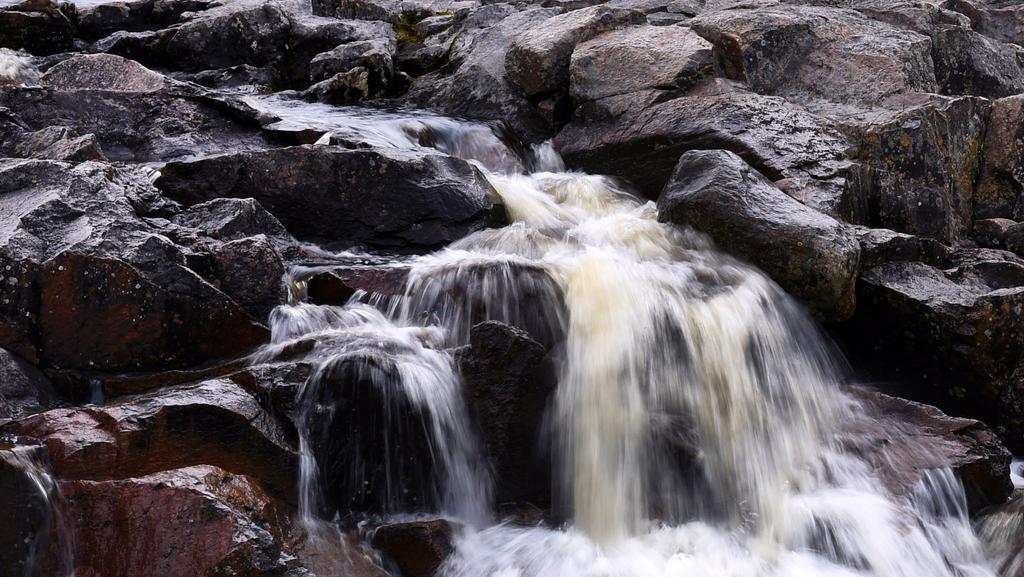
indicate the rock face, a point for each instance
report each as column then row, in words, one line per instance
column 903, row 438
column 916, row 183
column 998, row 193
column 80, row 258
column 38, row 26
column 388, row 199
column 809, row 254
column 963, row 347
column 819, row 52
column 538, row 60
column 640, row 137
column 28, row 540
column 509, row 381
column 210, row 423
column 216, row 520
column 638, row 58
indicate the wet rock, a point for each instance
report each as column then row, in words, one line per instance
column 385, row 10
column 903, row 438
column 253, row 34
column 473, row 82
column 373, row 56
column 36, row 26
column 808, row 253
column 28, row 531
column 640, row 138
column 1000, row 185
column 191, row 521
column 24, row 389
column 79, row 258
column 336, row 285
column 369, row 439
column 102, row 72
column 381, row 198
column 999, row 19
column 214, row 423
column 538, row 59
column 55, row 143
column 230, row 219
column 949, row 329
column 818, row 52
column 251, row 272
column 879, row 245
column 96, row 21
column 639, row 58
column 419, row 548
column 509, row 381
column 914, row 181
column 1014, row 238
column 666, row 19
column 349, row 87
column 971, row 64
column 134, row 126
column 991, row 232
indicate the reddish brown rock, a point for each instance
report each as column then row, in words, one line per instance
column 903, row 438
column 214, row 423
column 186, row 522
column 418, row 547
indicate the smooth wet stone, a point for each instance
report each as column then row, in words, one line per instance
column 419, row 548
column 811, row 255
column 384, row 198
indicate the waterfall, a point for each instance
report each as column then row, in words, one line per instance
column 697, row 422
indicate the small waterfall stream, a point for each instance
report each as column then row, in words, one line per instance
column 697, row 419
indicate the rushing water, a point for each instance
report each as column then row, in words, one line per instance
column 697, row 419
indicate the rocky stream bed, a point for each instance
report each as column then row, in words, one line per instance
column 335, row 289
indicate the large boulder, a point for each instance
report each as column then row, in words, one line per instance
column 918, row 165
column 903, row 439
column 999, row 192
column 950, row 327
column 509, row 381
column 214, row 423
column 639, row 58
column 185, row 522
column 133, row 125
column 392, row 199
column 81, row 257
column 1002, row 20
column 37, row 26
column 640, row 137
column 809, row 254
column 102, row 72
column 968, row 63
column 538, row 60
column 818, row 52
column 472, row 81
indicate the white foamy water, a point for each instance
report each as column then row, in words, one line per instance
column 695, row 426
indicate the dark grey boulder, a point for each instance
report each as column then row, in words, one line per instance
column 509, row 380
column 391, row 199
column 24, row 389
column 809, row 254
